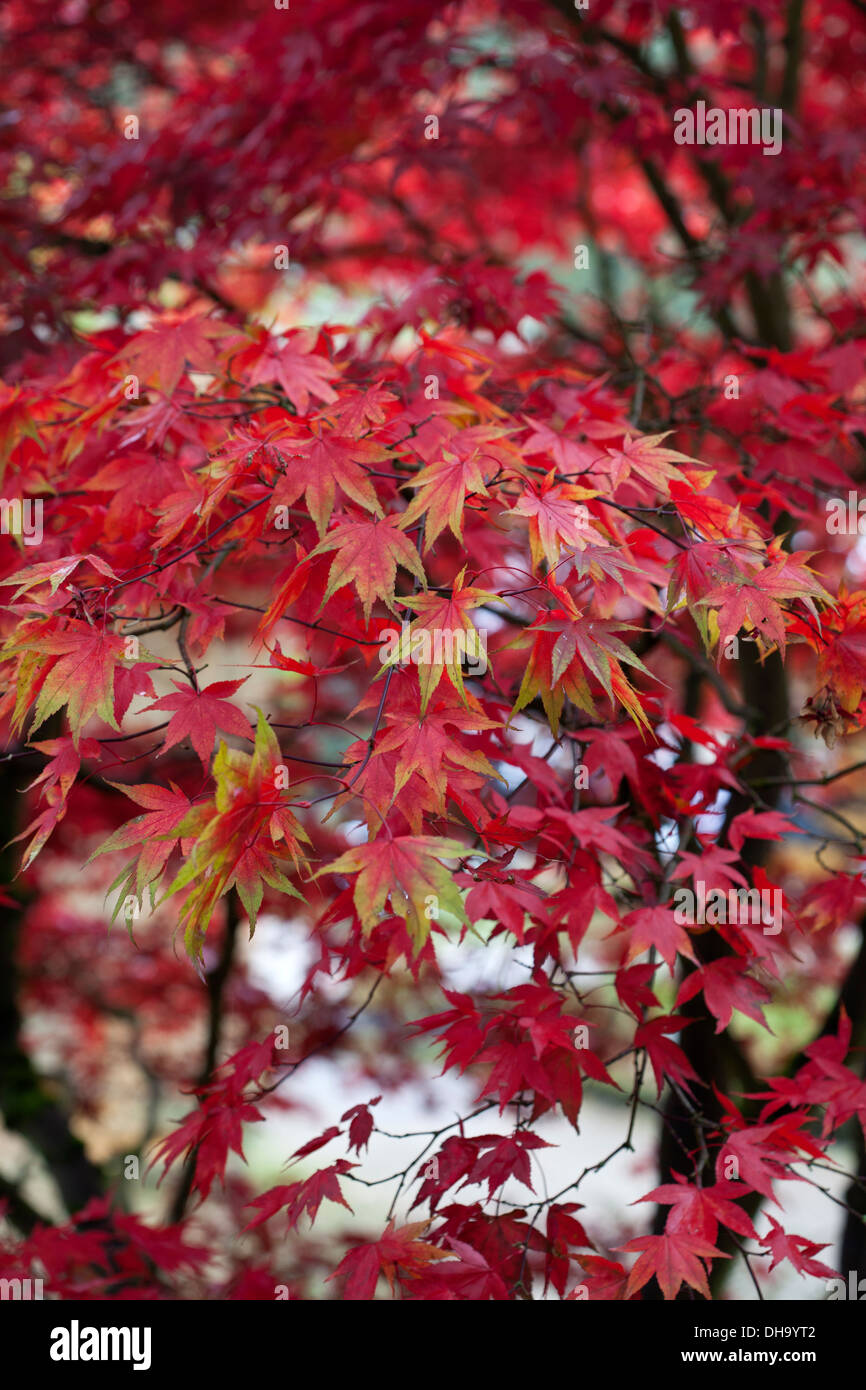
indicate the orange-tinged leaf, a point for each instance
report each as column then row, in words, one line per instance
column 406, row 869
column 318, row 467
column 54, row 573
column 842, row 665
column 157, row 831
column 755, row 601
column 442, row 489
column 17, row 421
column 644, row 455
column 424, row 745
column 80, row 675
column 244, row 837
column 442, row 636
column 361, row 409
column 399, row 1250
column 368, row 553
column 567, row 645
column 558, row 518
column 58, row 775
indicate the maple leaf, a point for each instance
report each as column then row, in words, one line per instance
column 797, row 1250
column 700, row 1211
column 424, row 746
column 160, row 354
column 674, row 1259
column 824, row 1081
column 713, row 865
column 632, row 988
column 300, row 372
column 563, row 1231
column 667, row 1058
column 655, row 926
column 360, row 409
column 761, row 1154
column 321, row 466
column 368, row 553
column 832, row 902
column 593, row 829
column 442, row 488
column 206, row 1136
column 558, row 517
column 64, row 761
column 568, row 644
column 508, row 1157
column 745, row 604
column 645, row 456
column 609, row 751
column 606, row 1282
column 157, row 831
column 17, row 421
column 399, row 1252
column 754, row 602
column 405, row 870
column 568, row 455
column 199, row 713
column 455, row 1159
column 726, row 985
column 442, row 637
column 695, row 570
column 318, row 1143
column 505, row 903
column 760, row 825
column 361, row 1126
column 54, row 573
column 842, row 656
column 471, row 1276
column 78, row 674
column 245, row 837
column 302, row 1198
column 533, row 1048
column 41, row 829
column 58, row 775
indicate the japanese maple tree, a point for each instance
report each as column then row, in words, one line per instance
column 431, row 526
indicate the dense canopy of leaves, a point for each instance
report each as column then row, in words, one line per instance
column 446, row 487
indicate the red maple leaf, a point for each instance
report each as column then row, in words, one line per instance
column 300, row 372
column 727, row 986
column 399, row 1253
column 508, row 1157
column 701, row 1210
column 302, row 1198
column 160, row 354
column 673, row 1259
column 361, row 1126
column 199, row 713
column 207, row 1135
column 797, row 1250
